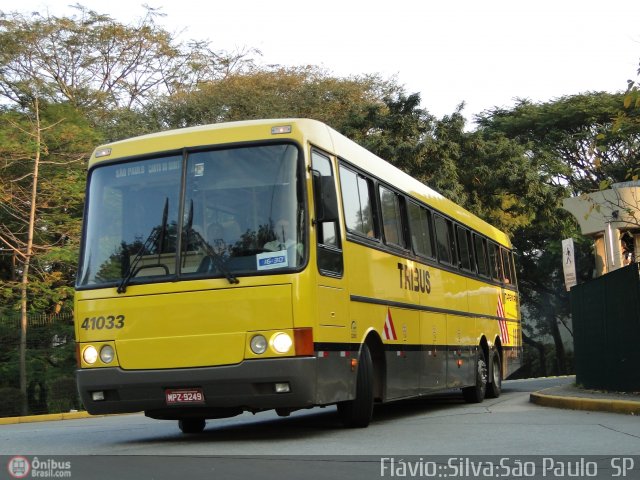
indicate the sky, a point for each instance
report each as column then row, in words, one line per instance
column 485, row 53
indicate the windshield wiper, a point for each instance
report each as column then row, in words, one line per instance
column 216, row 257
column 156, row 234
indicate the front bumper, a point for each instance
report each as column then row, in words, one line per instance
column 228, row 389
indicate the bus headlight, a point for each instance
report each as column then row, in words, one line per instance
column 281, row 342
column 258, row 344
column 107, row 354
column 90, row 355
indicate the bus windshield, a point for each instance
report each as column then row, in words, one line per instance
column 242, row 214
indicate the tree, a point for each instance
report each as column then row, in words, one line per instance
column 628, row 117
column 104, row 68
column 60, row 78
column 568, row 147
column 619, row 199
column 31, row 136
column 40, row 215
column 572, row 138
column 277, row 92
column 96, row 63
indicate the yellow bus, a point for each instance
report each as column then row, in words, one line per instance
column 276, row 264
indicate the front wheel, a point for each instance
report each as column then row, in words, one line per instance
column 476, row 393
column 357, row 413
column 192, row 425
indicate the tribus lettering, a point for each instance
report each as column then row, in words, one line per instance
column 416, row 279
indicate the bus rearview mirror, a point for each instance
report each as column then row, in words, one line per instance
column 326, row 201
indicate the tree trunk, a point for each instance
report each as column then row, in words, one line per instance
column 27, row 263
column 541, row 353
column 560, row 353
column 23, row 338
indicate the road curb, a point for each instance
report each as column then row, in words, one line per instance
column 49, row 417
column 580, row 403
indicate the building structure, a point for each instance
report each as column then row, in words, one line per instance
column 612, row 218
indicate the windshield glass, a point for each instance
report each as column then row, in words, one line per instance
column 243, row 215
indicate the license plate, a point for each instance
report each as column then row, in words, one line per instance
column 184, row 396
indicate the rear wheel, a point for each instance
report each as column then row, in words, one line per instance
column 192, row 425
column 476, row 393
column 357, row 413
column 494, row 388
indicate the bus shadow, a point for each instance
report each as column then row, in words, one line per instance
column 306, row 424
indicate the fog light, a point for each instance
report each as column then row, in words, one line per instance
column 258, row 344
column 281, row 342
column 90, row 355
column 107, row 354
column 97, row 396
column 282, row 387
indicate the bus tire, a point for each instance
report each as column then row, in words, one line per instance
column 494, row 387
column 476, row 393
column 191, row 425
column 357, row 413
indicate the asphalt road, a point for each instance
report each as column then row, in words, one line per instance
column 255, row 446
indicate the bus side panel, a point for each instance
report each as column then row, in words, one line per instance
column 433, row 334
column 403, row 354
column 336, row 379
column 482, row 298
column 381, row 281
column 334, row 337
column 512, row 359
column 362, row 317
column 461, row 351
column 449, row 291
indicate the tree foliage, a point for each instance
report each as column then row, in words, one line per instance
column 571, row 146
column 270, row 93
column 59, row 205
column 96, row 63
column 573, row 138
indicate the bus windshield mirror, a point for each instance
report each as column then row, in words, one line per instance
column 157, row 235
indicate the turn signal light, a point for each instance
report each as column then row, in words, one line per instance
column 303, row 341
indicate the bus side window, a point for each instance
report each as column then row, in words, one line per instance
column 464, row 247
column 512, row 262
column 507, row 262
column 420, row 230
column 481, row 255
column 444, row 240
column 356, row 200
column 496, row 264
column 391, row 218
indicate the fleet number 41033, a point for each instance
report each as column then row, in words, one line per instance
column 99, row 323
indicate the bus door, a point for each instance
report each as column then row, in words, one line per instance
column 333, row 334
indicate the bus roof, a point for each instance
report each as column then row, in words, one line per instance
column 302, row 130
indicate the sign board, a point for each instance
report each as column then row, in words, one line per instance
column 568, row 263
